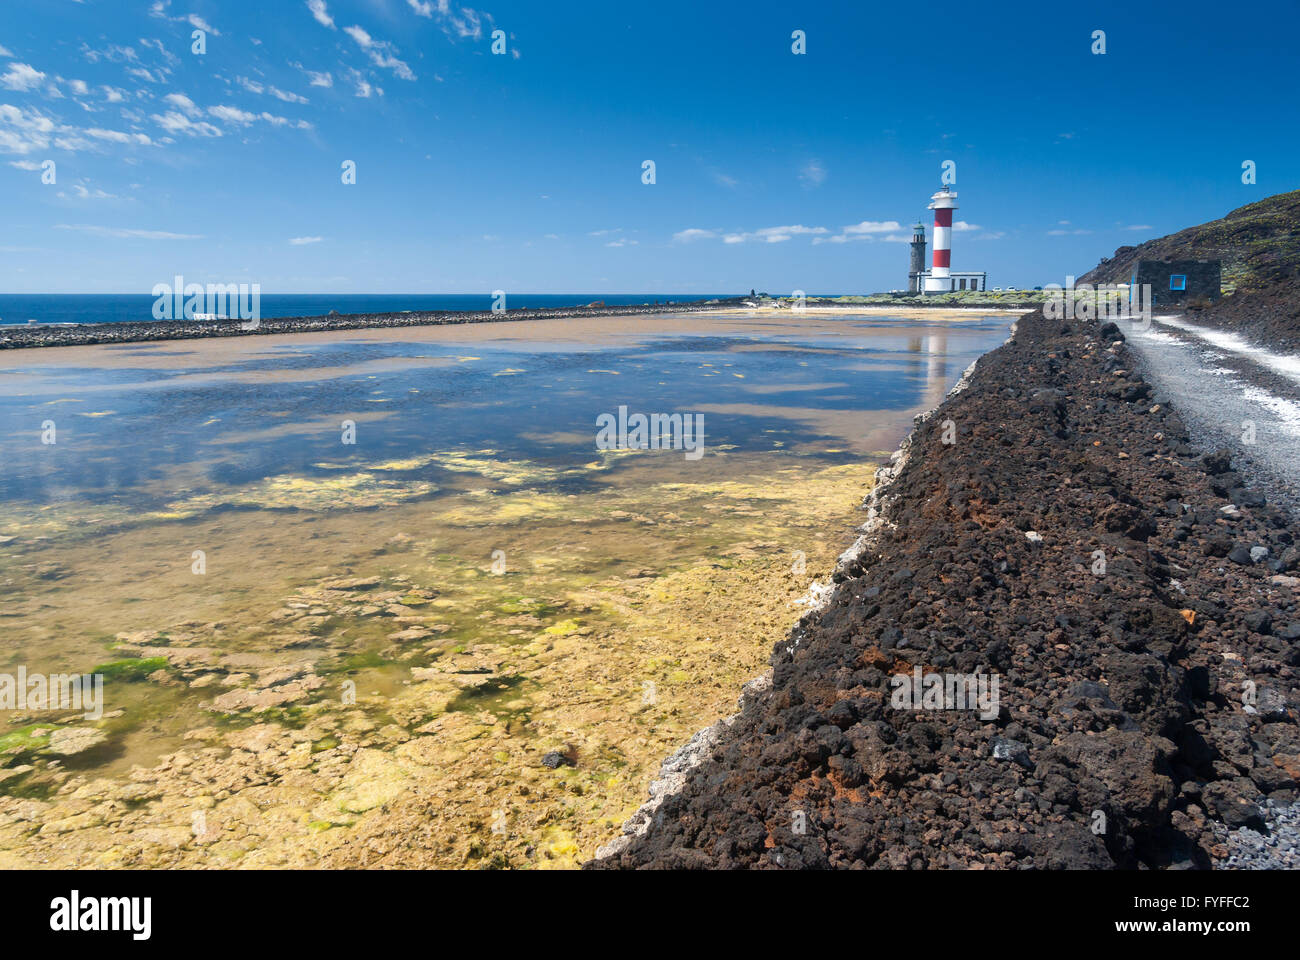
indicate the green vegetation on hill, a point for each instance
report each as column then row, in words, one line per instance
column 1258, row 244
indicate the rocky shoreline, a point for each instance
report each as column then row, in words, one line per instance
column 672, row 773
column 15, row 337
column 1131, row 593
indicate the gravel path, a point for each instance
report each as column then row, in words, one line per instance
column 1278, row 848
column 1221, row 386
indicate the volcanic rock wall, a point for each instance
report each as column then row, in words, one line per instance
column 1132, row 597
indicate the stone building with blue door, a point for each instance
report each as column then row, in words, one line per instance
column 1175, row 282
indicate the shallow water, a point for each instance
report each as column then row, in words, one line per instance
column 395, row 631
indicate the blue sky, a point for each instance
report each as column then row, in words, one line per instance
column 523, row 171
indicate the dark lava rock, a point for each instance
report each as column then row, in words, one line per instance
column 1240, row 554
column 1259, row 621
column 1220, row 461
column 1217, row 547
column 1226, row 801
column 1114, row 688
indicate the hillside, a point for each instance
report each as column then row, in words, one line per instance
column 1259, row 245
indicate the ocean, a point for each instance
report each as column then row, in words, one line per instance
column 22, row 308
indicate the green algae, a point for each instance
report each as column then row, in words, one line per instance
column 28, row 739
column 131, row 670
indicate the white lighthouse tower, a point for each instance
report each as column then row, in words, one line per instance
column 943, row 204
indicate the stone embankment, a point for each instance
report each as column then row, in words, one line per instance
column 1052, row 527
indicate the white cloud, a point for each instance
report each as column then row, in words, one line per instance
column 243, row 118
column 303, row 241
column 21, row 76
column 1139, row 226
column 113, row 53
column 813, row 174
column 961, row 226
column 622, row 242
column 25, row 164
column 5, row 52
column 873, row 226
column 775, row 234
column 159, row 10
column 117, row 136
column 175, row 122
column 285, row 95
column 785, row 232
column 184, row 104
column 865, row 230
column 255, row 86
column 164, row 54
column 316, row 78
column 693, row 233
column 465, row 24
column 22, row 132
column 123, row 233
column 362, row 85
column 379, row 52
column 232, row 115
column 322, row 15
column 84, row 193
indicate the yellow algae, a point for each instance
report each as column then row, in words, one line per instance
column 564, row 628
column 411, row 463
column 309, row 493
column 615, row 650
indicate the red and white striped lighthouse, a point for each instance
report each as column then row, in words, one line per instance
column 943, row 204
